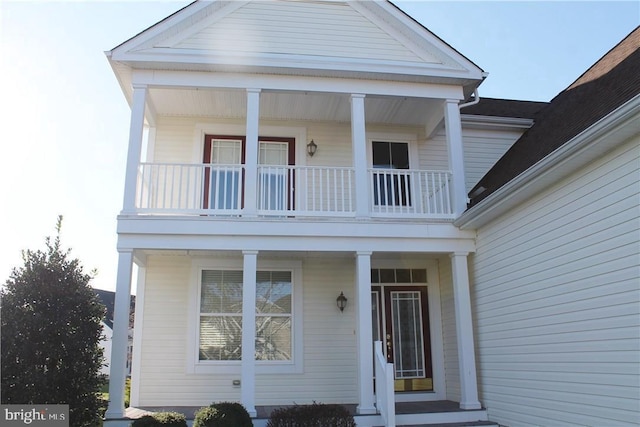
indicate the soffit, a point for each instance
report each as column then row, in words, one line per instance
column 315, row 106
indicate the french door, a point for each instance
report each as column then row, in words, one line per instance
column 224, row 180
column 401, row 322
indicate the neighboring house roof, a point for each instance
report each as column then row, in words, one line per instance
column 505, row 108
column 108, row 300
column 608, row 84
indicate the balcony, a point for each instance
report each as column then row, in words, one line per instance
column 290, row 191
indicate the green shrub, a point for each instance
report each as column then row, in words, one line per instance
column 223, row 414
column 316, row 415
column 166, row 419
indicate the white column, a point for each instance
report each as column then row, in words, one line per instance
column 464, row 331
column 359, row 144
column 136, row 128
column 366, row 399
column 453, row 129
column 118, row 368
column 251, row 153
column 248, row 375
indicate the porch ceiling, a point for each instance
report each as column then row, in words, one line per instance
column 312, row 106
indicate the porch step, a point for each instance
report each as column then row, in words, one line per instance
column 443, row 413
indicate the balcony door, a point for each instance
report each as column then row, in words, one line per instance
column 401, row 321
column 391, row 187
column 224, row 179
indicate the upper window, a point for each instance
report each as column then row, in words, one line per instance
column 390, row 186
column 220, row 336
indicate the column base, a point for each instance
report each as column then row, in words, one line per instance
column 470, row 405
column 366, row 410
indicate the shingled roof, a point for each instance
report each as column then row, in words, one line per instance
column 604, row 87
column 496, row 107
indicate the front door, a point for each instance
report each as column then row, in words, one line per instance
column 401, row 322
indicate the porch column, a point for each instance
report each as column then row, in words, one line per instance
column 248, row 375
column 366, row 401
column 251, row 154
column 453, row 128
column 120, row 339
column 359, row 146
column 464, row 332
column 136, row 128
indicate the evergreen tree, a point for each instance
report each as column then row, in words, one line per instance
column 50, row 334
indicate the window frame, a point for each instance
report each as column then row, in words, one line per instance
column 292, row 366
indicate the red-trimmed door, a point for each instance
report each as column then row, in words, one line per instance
column 401, row 322
column 224, row 183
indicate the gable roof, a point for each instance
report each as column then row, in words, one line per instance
column 603, row 88
column 335, row 38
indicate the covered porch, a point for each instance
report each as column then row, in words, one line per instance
column 351, row 330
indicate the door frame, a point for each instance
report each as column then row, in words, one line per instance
column 206, row 158
column 435, row 323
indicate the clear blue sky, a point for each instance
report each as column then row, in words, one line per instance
column 64, row 122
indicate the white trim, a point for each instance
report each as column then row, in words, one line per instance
column 138, row 328
column 472, row 121
column 295, row 366
column 410, row 138
column 226, row 80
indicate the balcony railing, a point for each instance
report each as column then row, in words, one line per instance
column 285, row 191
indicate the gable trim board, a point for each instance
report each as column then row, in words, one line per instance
column 585, row 147
column 427, row 58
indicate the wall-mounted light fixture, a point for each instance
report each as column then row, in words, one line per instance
column 341, row 301
column 312, row 147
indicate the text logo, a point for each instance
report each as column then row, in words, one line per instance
column 35, row 415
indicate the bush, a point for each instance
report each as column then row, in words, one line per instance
column 171, row 419
column 51, row 333
column 223, row 414
column 316, row 415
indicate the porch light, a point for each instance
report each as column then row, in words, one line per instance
column 312, row 147
column 341, row 301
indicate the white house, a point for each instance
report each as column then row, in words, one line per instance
column 298, row 152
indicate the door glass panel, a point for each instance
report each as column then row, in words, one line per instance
column 224, row 179
column 408, row 346
column 273, row 181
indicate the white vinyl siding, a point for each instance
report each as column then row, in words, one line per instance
column 330, row 361
column 330, row 364
column 482, row 149
column 317, row 29
column 175, row 142
column 557, row 303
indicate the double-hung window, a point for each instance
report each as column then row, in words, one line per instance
column 219, row 336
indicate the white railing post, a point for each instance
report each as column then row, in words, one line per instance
column 385, row 394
